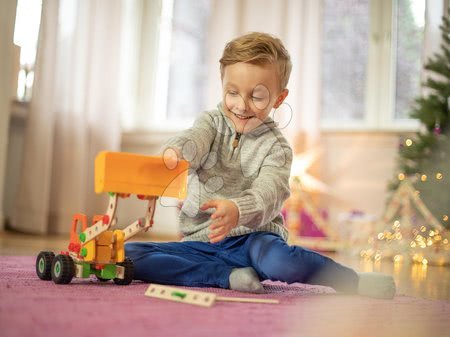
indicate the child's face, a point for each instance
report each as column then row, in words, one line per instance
column 249, row 93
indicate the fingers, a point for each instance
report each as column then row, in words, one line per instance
column 217, row 238
column 220, row 222
column 219, row 230
column 218, row 235
column 170, row 158
column 209, row 204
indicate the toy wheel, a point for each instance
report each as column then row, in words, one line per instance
column 63, row 269
column 102, row 279
column 44, row 265
column 129, row 272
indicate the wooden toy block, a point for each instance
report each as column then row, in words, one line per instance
column 195, row 297
column 104, row 254
column 79, row 270
column 138, row 174
column 76, row 219
column 105, row 238
column 119, row 250
column 120, row 272
column 108, row 272
column 88, row 251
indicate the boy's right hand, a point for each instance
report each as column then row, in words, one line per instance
column 171, row 158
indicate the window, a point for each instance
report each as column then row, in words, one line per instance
column 181, row 72
column 409, row 25
column 345, row 53
column 26, row 30
column 371, row 58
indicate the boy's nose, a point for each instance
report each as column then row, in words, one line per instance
column 241, row 106
column 244, row 104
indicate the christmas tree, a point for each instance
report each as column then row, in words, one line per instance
column 425, row 157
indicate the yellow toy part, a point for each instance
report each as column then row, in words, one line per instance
column 120, row 172
column 105, row 239
column 88, row 251
column 119, row 237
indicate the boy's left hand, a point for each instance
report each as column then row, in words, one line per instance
column 225, row 218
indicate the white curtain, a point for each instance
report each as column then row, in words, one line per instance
column 74, row 113
column 299, row 25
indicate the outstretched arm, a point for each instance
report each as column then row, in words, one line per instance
column 192, row 144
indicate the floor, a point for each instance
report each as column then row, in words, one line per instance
column 430, row 282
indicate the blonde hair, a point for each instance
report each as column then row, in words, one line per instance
column 260, row 49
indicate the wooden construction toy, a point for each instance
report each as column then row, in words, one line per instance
column 195, row 297
column 97, row 249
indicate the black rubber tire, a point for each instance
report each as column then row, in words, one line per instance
column 44, row 265
column 129, row 272
column 101, row 279
column 63, row 269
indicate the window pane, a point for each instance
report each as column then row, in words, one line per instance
column 344, row 59
column 410, row 34
column 188, row 66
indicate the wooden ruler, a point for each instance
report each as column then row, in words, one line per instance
column 195, row 297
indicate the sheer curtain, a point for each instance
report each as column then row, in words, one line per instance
column 74, row 113
column 299, row 25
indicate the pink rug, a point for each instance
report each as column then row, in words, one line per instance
column 31, row 307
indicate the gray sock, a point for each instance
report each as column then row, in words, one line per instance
column 376, row 285
column 245, row 280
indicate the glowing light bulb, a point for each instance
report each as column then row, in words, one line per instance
column 408, row 142
column 438, row 176
column 423, row 177
column 401, row 176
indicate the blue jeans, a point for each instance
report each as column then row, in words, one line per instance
column 202, row 264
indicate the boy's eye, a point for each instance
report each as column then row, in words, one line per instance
column 259, row 99
column 232, row 93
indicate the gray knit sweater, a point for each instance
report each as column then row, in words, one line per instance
column 254, row 174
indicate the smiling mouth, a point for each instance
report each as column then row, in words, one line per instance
column 242, row 117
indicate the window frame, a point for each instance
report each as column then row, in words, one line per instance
column 381, row 69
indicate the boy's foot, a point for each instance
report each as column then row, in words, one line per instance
column 376, row 285
column 246, row 280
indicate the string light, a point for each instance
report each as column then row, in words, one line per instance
column 423, row 243
column 411, row 233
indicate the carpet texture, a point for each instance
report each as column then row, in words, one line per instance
column 32, row 307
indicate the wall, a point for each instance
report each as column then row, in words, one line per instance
column 7, row 19
column 357, row 167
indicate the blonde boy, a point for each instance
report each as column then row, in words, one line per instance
column 234, row 235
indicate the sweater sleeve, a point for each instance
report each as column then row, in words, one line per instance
column 263, row 201
column 194, row 143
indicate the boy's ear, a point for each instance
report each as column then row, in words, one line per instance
column 280, row 98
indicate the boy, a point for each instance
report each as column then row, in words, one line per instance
column 234, row 235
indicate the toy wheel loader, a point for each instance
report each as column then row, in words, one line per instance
column 97, row 250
